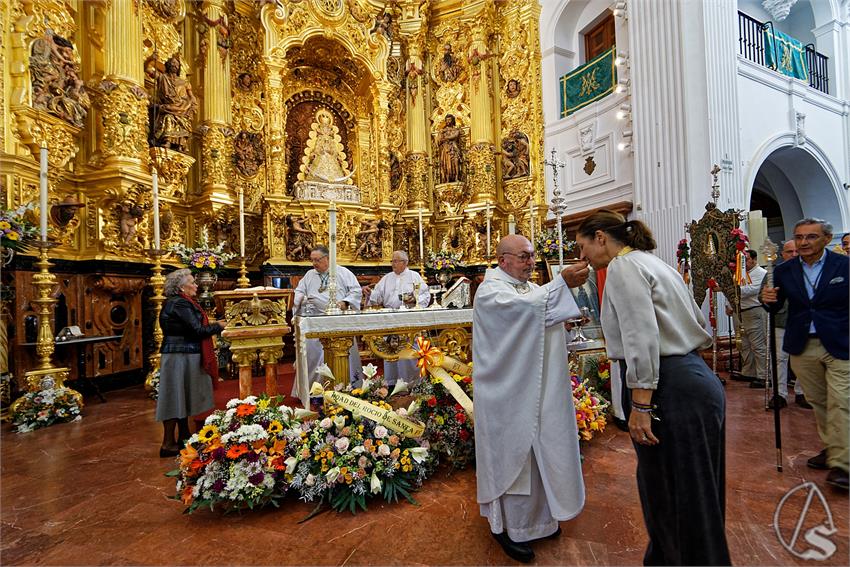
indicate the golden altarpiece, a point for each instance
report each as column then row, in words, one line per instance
column 393, row 109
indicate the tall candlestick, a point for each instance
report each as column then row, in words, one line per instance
column 421, row 238
column 242, row 223
column 487, row 214
column 42, row 194
column 511, row 224
column 155, row 181
column 531, row 221
column 332, row 238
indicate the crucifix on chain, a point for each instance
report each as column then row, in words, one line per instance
column 558, row 203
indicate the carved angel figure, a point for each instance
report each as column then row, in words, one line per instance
column 248, row 153
column 369, row 237
column 173, row 109
column 128, row 216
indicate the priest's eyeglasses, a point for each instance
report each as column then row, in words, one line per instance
column 524, row 257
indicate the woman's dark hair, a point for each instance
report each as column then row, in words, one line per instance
column 632, row 233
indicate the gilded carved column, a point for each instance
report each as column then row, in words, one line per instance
column 413, row 25
column 382, row 110
column 216, row 112
column 120, row 95
column 482, row 158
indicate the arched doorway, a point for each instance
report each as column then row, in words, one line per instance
column 791, row 184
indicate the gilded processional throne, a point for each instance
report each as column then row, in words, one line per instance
column 713, row 253
column 324, row 172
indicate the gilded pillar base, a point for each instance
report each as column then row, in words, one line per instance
column 416, row 172
column 336, row 356
column 481, row 178
column 123, row 108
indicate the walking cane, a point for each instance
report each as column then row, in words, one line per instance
column 769, row 250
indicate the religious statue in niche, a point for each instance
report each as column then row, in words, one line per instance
column 515, row 155
column 448, row 68
column 299, row 239
column 324, row 159
column 513, row 88
column 369, row 238
column 56, row 84
column 173, row 108
column 448, row 142
column 396, row 173
column 248, row 153
column 245, row 81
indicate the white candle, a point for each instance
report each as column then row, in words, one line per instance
column 332, row 238
column 487, row 214
column 242, row 223
column 421, row 238
column 42, row 194
column 511, row 225
column 531, row 223
column 155, row 181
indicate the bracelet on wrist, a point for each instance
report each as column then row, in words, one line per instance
column 643, row 406
column 643, row 410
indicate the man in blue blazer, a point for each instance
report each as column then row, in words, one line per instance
column 816, row 337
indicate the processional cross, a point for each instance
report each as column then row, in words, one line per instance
column 558, row 203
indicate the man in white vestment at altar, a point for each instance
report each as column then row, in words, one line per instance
column 401, row 282
column 526, row 439
column 311, row 298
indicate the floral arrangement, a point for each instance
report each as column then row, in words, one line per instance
column 50, row 405
column 596, row 371
column 683, row 258
column 152, row 386
column 256, row 451
column 237, row 460
column 447, row 426
column 590, row 409
column 444, row 260
column 16, row 233
column 203, row 257
column 546, row 244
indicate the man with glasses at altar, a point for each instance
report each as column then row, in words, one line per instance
column 400, row 287
column 311, row 298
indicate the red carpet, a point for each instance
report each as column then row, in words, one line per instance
column 226, row 390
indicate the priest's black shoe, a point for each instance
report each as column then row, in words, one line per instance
column 838, row 478
column 782, row 403
column 818, row 461
column 738, row 377
column 801, row 401
column 521, row 552
column 757, row 383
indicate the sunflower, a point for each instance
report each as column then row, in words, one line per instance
column 12, row 235
column 275, row 427
column 4, row 224
column 208, row 433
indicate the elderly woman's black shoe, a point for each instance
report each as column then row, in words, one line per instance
column 521, row 552
column 165, row 453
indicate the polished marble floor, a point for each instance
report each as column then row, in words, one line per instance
column 93, row 493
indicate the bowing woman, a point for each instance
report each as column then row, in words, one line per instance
column 674, row 403
column 188, row 365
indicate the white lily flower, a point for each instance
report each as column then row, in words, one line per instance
column 358, row 449
column 370, row 370
column 302, row 414
column 367, row 384
column 400, row 387
column 290, row 463
column 413, row 407
column 339, row 421
column 332, row 474
column 324, row 370
column 375, row 483
column 316, row 389
column 418, row 454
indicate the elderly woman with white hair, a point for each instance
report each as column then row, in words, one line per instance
column 188, row 365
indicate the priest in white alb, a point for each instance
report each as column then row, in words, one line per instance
column 311, row 298
column 402, row 285
column 526, row 439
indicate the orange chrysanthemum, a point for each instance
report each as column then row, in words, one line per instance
column 187, row 455
column 243, row 410
column 237, row 451
column 278, row 447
